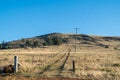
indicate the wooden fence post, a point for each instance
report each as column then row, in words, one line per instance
column 73, row 62
column 15, row 64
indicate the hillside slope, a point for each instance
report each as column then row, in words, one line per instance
column 59, row 38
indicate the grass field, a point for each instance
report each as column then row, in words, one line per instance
column 91, row 62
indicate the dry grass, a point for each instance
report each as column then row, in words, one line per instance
column 92, row 62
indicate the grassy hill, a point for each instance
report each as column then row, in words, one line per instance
column 58, row 39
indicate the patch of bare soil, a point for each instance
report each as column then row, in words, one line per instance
column 11, row 77
column 59, row 79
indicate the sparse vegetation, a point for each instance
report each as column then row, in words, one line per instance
column 49, row 39
column 57, row 39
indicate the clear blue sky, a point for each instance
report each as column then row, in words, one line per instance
column 28, row 18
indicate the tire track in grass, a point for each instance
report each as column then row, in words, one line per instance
column 47, row 68
column 63, row 65
column 57, row 66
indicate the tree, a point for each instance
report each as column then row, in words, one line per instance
column 36, row 44
column 0, row 46
column 49, row 41
column 22, row 45
column 57, row 40
column 45, row 43
column 28, row 43
column 4, row 45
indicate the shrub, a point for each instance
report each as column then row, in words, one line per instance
column 36, row 44
column 116, row 65
column 57, row 40
column 28, row 43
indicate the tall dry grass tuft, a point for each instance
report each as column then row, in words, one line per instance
column 26, row 67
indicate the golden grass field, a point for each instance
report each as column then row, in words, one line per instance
column 91, row 62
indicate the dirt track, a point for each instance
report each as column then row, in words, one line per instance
column 18, row 77
column 25, row 78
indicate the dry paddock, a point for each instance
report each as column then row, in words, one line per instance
column 92, row 63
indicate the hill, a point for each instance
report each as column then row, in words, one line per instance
column 59, row 38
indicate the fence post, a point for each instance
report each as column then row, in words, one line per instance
column 15, row 64
column 73, row 62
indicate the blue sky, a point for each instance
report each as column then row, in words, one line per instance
column 29, row 18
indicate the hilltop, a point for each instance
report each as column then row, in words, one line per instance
column 59, row 38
